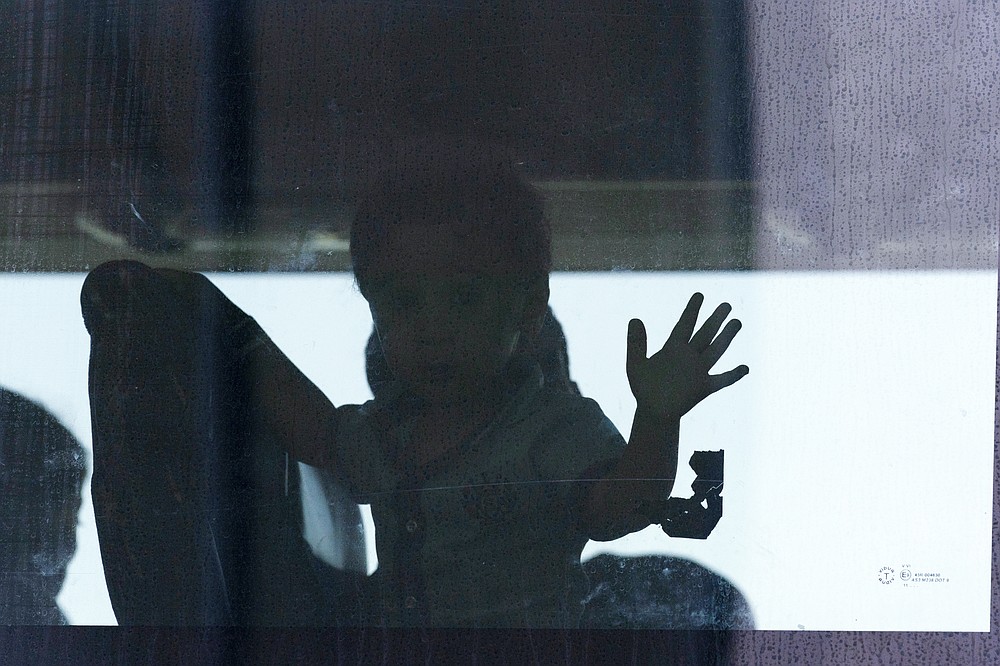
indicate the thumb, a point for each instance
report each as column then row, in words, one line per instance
column 635, row 350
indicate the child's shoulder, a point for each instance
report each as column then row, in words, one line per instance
column 554, row 412
column 565, row 434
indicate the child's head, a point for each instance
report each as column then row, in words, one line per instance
column 451, row 249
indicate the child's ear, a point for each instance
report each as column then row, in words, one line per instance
column 535, row 305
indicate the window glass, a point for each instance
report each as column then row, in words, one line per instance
column 829, row 171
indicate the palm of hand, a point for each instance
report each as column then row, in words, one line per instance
column 675, row 378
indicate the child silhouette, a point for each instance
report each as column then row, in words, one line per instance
column 485, row 484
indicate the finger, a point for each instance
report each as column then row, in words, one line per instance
column 721, row 381
column 635, row 352
column 703, row 338
column 721, row 343
column 684, row 328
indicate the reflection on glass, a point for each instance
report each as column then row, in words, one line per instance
column 485, row 482
column 766, row 142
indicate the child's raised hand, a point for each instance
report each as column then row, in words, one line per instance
column 675, row 379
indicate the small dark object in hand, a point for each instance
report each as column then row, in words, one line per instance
column 697, row 516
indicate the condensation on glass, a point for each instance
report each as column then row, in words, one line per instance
column 828, row 169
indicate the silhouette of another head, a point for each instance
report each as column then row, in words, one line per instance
column 42, row 467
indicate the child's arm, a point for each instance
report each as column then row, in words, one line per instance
column 666, row 386
column 185, row 310
column 295, row 414
column 285, row 405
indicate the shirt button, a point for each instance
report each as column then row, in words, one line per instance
column 411, row 526
column 410, row 602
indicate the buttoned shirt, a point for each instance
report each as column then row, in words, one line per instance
column 491, row 533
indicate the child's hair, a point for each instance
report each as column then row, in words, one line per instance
column 455, row 180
